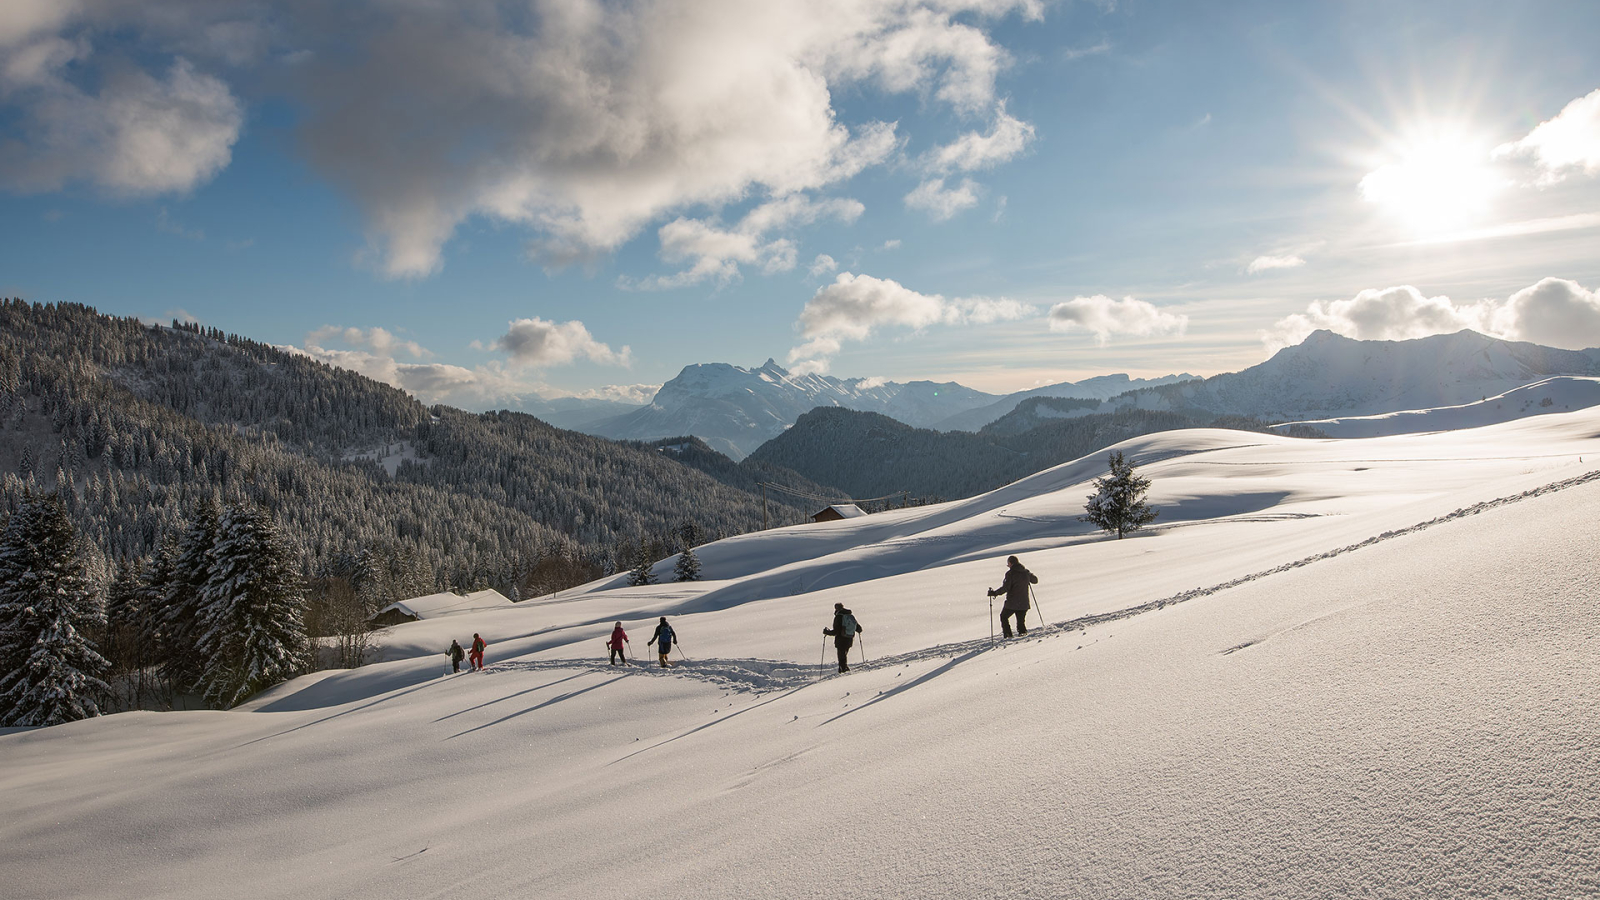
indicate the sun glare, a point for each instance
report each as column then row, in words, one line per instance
column 1435, row 185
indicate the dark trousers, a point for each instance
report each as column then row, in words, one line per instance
column 455, row 664
column 616, row 654
column 1005, row 623
column 844, row 654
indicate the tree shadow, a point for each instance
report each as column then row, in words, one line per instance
column 537, row 706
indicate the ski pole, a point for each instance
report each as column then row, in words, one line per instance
column 822, row 661
column 863, row 648
column 1036, row 605
column 991, row 620
column 679, row 647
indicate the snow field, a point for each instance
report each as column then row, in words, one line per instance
column 1410, row 717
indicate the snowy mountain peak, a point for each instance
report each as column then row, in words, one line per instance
column 736, row 410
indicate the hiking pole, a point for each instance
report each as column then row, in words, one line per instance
column 679, row 647
column 1036, row 605
column 863, row 637
column 991, row 620
column 822, row 661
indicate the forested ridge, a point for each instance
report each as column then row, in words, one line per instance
column 871, row 455
column 146, row 423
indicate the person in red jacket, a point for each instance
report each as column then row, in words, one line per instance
column 618, row 638
column 476, row 656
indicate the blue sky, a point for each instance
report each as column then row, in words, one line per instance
column 478, row 200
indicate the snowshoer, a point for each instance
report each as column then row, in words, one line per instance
column 476, row 655
column 618, row 638
column 665, row 636
column 844, row 631
column 456, row 656
column 1015, row 587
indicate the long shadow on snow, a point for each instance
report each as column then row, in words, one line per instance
column 384, row 699
column 700, row 728
column 511, row 696
column 538, row 706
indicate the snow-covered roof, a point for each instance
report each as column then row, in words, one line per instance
column 447, row 603
column 846, row 510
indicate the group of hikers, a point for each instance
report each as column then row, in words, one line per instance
column 476, row 656
column 844, row 629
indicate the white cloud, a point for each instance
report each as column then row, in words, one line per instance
column 823, row 265
column 1554, row 312
column 1267, row 263
column 1075, row 53
column 583, row 121
column 485, row 386
column 972, row 151
column 1103, row 317
column 1569, row 141
column 607, row 116
column 1389, row 314
column 538, row 343
column 635, row 394
column 139, row 135
column 854, row 306
column 891, row 244
column 716, row 254
column 379, row 339
column 942, row 203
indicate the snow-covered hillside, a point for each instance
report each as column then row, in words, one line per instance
column 1552, row 395
column 1328, row 375
column 1332, row 668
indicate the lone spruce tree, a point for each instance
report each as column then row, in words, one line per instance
column 1118, row 501
column 253, row 635
column 49, row 671
column 642, row 567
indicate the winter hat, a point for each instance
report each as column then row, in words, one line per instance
column 1012, row 561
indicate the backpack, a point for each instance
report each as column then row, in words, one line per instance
column 848, row 626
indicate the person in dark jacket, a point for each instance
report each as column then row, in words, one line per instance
column 663, row 638
column 844, row 631
column 456, row 656
column 478, row 646
column 1015, row 587
column 618, row 638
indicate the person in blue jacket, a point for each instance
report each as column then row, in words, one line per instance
column 663, row 638
column 844, row 631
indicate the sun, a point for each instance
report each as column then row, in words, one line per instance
column 1434, row 184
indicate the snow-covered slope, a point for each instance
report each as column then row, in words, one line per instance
column 1552, row 395
column 1329, row 376
column 1333, row 668
column 736, row 410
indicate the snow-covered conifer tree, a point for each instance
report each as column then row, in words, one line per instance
column 253, row 633
column 642, row 567
column 180, row 607
column 49, row 671
column 688, row 568
column 1118, row 501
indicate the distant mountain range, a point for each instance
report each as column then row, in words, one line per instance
column 1338, row 382
column 735, row 410
column 1329, row 376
